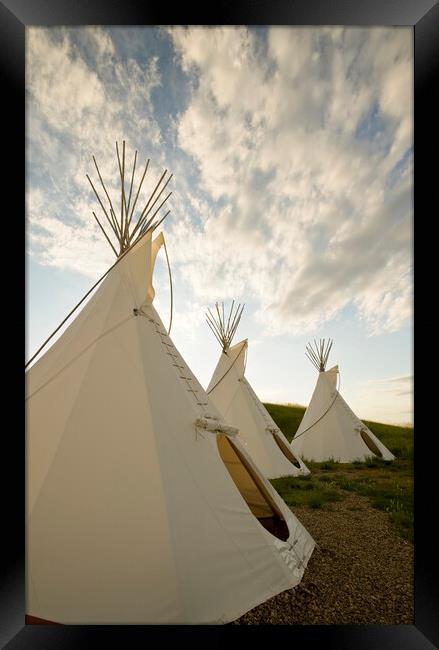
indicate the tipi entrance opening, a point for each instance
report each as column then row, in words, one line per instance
column 252, row 489
column 287, row 452
column 370, row 443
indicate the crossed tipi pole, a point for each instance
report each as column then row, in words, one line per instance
column 126, row 230
column 222, row 330
column 319, row 353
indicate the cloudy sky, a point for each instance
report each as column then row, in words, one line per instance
column 292, row 156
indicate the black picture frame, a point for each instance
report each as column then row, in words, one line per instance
column 15, row 15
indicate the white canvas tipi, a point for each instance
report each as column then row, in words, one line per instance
column 142, row 505
column 329, row 428
column 234, row 397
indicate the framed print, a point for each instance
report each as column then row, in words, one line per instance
column 265, row 158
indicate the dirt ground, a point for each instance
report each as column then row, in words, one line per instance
column 360, row 573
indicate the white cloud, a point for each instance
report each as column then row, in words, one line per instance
column 403, row 379
column 303, row 204
column 311, row 221
column 73, row 247
column 382, row 399
column 77, row 107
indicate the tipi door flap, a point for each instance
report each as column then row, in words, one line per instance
column 287, row 452
column 249, row 484
column 369, row 442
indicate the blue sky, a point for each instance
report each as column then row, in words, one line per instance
column 292, row 156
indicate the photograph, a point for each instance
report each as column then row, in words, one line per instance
column 219, row 325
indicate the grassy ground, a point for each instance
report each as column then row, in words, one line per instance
column 387, row 485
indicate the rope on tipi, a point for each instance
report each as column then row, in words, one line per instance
column 120, row 226
column 227, row 371
column 170, row 286
column 337, row 392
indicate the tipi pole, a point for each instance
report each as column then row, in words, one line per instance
column 215, row 334
column 146, row 206
column 223, row 331
column 108, row 197
column 112, row 225
column 146, row 225
column 138, row 191
column 132, row 180
column 122, row 187
column 105, row 234
column 156, row 199
column 214, row 326
column 157, row 224
column 230, row 313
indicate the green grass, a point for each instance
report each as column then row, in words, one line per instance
column 388, row 485
column 306, row 491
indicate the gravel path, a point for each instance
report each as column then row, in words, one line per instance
column 361, row 574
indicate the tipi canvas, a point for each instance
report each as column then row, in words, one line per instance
column 236, row 400
column 142, row 505
column 329, row 428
